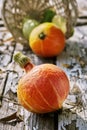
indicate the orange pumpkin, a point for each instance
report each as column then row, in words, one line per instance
column 47, row 40
column 43, row 88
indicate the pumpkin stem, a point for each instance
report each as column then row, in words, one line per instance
column 42, row 35
column 23, row 61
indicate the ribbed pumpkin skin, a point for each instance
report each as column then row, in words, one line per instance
column 53, row 43
column 43, row 89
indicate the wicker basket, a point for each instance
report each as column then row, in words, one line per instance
column 14, row 11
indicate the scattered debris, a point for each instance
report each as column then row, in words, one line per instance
column 68, row 66
column 14, row 116
column 75, row 90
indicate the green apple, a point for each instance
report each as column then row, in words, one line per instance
column 28, row 26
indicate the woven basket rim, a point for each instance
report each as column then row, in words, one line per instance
column 22, row 38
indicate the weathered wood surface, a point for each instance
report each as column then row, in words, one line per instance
column 73, row 61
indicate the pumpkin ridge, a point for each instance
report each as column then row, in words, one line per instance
column 34, row 102
column 44, row 99
column 41, row 107
column 29, row 106
column 56, row 93
column 63, row 83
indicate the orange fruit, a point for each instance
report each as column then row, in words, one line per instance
column 43, row 88
column 47, row 40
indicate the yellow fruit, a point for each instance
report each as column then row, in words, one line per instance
column 60, row 22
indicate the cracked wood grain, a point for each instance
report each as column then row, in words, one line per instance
column 74, row 113
column 2, row 86
column 74, row 118
column 8, row 107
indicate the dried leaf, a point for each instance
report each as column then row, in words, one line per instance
column 13, row 101
column 14, row 116
column 75, row 90
column 9, row 118
column 82, row 63
column 0, row 103
column 68, row 66
column 3, row 30
column 9, row 39
column 11, row 95
column 1, row 71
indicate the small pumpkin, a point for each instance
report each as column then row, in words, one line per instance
column 43, row 88
column 47, row 40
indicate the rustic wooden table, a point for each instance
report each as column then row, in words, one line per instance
column 73, row 61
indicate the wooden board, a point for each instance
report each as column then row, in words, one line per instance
column 73, row 61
